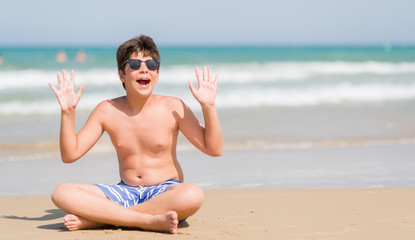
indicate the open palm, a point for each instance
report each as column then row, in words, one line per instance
column 66, row 95
column 206, row 92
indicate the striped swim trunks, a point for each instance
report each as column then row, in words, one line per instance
column 128, row 196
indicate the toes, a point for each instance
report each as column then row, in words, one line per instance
column 71, row 222
column 71, row 226
column 172, row 217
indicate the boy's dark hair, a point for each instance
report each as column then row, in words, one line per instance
column 142, row 43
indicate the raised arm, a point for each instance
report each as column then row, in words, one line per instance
column 207, row 138
column 72, row 145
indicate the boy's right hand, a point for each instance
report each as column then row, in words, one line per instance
column 66, row 95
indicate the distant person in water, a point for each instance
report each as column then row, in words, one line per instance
column 81, row 56
column 143, row 128
column 61, row 57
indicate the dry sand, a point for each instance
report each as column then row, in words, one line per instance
column 244, row 214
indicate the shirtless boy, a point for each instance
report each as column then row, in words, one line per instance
column 143, row 128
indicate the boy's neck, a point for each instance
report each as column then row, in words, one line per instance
column 137, row 104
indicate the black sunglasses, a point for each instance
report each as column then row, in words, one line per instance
column 135, row 64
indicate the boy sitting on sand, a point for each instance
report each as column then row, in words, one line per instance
column 143, row 128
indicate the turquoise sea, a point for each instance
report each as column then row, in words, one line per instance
column 269, row 97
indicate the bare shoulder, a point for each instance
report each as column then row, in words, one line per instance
column 171, row 103
column 109, row 105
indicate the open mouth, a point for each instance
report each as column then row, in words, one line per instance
column 143, row 82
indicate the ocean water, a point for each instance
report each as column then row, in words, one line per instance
column 268, row 97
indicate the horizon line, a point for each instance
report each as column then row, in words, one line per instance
column 213, row 45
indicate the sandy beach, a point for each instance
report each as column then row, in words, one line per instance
column 315, row 193
column 244, row 214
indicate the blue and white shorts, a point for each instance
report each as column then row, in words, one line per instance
column 128, row 196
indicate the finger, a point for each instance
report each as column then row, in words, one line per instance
column 197, row 72
column 192, row 89
column 216, row 80
column 65, row 78
column 72, row 79
column 197, row 75
column 79, row 92
column 53, row 89
column 209, row 75
column 205, row 74
column 60, row 81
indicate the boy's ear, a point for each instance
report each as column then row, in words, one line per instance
column 121, row 75
column 158, row 74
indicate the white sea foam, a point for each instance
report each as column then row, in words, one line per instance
column 269, row 84
column 40, row 78
column 336, row 94
column 242, row 98
column 304, row 70
column 46, row 106
column 230, row 72
column 279, row 71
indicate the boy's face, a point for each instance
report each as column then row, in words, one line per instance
column 142, row 80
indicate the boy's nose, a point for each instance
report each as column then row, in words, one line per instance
column 143, row 67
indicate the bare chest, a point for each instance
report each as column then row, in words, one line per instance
column 142, row 135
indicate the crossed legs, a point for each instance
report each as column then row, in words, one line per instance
column 88, row 207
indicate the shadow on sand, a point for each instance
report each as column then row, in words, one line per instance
column 51, row 215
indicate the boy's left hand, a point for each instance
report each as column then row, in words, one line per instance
column 206, row 93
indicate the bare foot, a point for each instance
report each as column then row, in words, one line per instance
column 73, row 222
column 164, row 223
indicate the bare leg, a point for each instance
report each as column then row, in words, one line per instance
column 183, row 198
column 73, row 222
column 85, row 201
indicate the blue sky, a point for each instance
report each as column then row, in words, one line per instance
column 213, row 22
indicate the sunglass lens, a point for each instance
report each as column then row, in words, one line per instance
column 135, row 64
column 152, row 64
